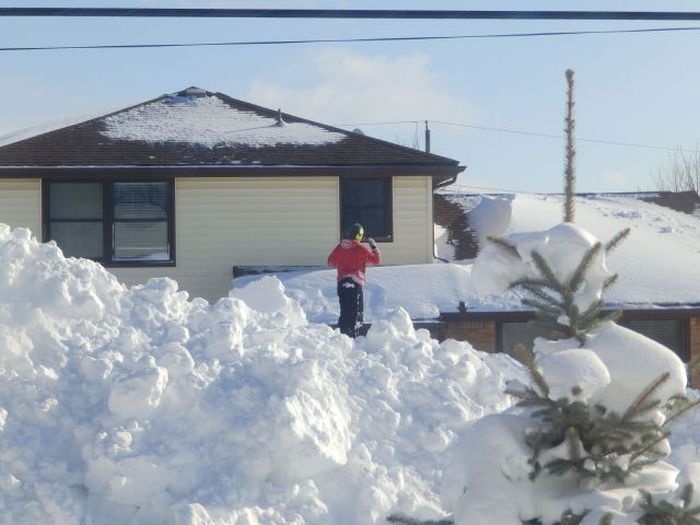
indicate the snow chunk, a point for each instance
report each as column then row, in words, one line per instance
column 490, row 217
column 634, row 362
column 576, row 374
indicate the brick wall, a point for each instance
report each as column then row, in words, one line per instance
column 695, row 349
column 481, row 335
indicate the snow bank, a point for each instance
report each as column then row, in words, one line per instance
column 141, row 406
column 423, row 290
column 644, row 264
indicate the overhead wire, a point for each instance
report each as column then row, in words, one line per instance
column 526, row 133
column 349, row 40
column 367, row 14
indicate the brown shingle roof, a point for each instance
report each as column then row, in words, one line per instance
column 143, row 135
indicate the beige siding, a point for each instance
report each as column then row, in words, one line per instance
column 20, row 204
column 413, row 222
column 276, row 221
column 248, row 221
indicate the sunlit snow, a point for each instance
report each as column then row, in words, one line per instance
column 208, row 121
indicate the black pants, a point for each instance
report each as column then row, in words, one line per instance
column 351, row 307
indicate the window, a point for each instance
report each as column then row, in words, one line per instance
column 512, row 334
column 116, row 223
column 672, row 333
column 367, row 201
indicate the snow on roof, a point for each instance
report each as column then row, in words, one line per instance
column 208, row 121
column 657, row 264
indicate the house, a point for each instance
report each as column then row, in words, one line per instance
column 192, row 184
column 658, row 289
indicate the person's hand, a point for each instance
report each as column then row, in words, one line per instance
column 372, row 244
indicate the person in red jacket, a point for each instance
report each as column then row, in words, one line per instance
column 350, row 257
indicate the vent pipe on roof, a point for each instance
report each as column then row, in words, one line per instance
column 195, row 92
column 280, row 120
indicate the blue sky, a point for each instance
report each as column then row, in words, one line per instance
column 642, row 88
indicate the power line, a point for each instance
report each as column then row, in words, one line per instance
column 391, row 14
column 349, row 40
column 528, row 133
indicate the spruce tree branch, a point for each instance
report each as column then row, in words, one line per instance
column 547, row 272
column 649, row 447
column 616, row 240
column 584, row 266
column 526, row 359
column 680, row 413
column 610, row 281
column 643, row 398
column 554, row 311
column 508, row 247
column 536, row 290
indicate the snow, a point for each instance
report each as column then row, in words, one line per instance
column 489, row 473
column 208, row 121
column 657, row 263
column 433, row 288
column 648, row 276
column 142, row 406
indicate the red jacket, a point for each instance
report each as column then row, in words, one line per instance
column 351, row 258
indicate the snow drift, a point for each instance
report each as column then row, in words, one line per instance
column 141, row 406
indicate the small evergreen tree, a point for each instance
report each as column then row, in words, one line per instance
column 558, row 314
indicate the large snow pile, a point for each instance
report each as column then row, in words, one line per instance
column 139, row 406
column 492, row 478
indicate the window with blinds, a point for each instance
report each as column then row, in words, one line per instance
column 116, row 223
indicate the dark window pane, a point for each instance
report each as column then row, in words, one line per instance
column 367, row 201
column 669, row 332
column 518, row 333
column 373, row 220
column 141, row 241
column 79, row 239
column 366, row 192
column 140, row 200
column 75, row 200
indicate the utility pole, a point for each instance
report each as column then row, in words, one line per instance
column 427, row 137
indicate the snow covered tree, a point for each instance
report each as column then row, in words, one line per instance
column 585, row 442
